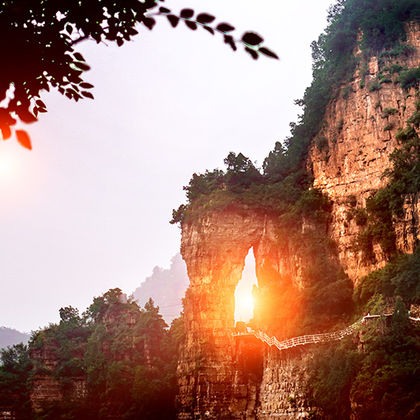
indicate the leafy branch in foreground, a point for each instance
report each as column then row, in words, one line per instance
column 39, row 40
column 250, row 40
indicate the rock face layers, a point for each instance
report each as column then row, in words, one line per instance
column 347, row 159
column 214, row 382
column 46, row 388
column 352, row 151
column 281, row 389
column 215, row 265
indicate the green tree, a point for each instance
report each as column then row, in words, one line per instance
column 387, row 386
column 15, row 369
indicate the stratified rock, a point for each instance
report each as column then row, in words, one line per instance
column 361, row 138
column 358, row 137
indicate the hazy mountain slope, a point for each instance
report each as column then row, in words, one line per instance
column 166, row 287
column 9, row 337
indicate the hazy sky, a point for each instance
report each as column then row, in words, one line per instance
column 88, row 208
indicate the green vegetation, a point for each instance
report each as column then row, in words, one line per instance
column 382, row 26
column 400, row 277
column 375, row 378
column 410, row 78
column 400, row 49
column 346, row 91
column 331, row 373
column 125, row 356
column 382, row 380
column 15, row 370
column 282, row 187
column 321, row 142
column 387, row 112
column 374, row 85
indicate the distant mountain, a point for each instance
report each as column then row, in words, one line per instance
column 9, row 337
column 166, row 287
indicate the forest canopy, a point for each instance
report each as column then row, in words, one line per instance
column 122, row 356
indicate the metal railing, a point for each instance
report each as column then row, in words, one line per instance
column 313, row 338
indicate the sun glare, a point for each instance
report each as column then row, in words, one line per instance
column 7, row 166
column 244, row 306
column 244, row 301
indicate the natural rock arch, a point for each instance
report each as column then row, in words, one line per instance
column 214, row 248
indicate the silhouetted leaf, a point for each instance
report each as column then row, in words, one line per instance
column 96, row 36
column 40, row 103
column 149, row 22
column 252, row 38
column 87, row 95
column 164, row 10
column 205, row 18
column 208, row 29
column 173, row 20
column 187, row 13
column 82, row 66
column 69, row 28
column 23, row 138
column 25, row 115
column 6, row 132
column 225, row 27
column 268, row 52
column 120, row 41
column 191, row 25
column 78, row 56
column 5, row 117
column 85, row 85
column 230, row 41
column 252, row 52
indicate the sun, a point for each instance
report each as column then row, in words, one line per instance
column 244, row 305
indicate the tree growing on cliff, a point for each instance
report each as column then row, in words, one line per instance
column 15, row 368
column 124, row 354
column 41, row 48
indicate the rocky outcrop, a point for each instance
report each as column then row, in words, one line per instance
column 282, row 387
column 214, row 381
column 207, row 363
column 347, row 159
column 350, row 154
column 46, row 388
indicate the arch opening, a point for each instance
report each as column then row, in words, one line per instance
column 244, row 299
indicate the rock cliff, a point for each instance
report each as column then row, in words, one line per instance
column 213, row 380
column 347, row 159
column 350, row 154
column 47, row 388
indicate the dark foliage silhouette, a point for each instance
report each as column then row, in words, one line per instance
column 39, row 41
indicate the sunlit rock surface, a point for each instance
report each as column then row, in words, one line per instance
column 214, row 380
column 349, row 168
column 359, row 139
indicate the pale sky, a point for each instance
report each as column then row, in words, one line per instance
column 89, row 208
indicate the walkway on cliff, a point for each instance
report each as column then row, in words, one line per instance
column 314, row 338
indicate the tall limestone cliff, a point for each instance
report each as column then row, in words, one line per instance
column 214, row 382
column 350, row 154
column 347, row 158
